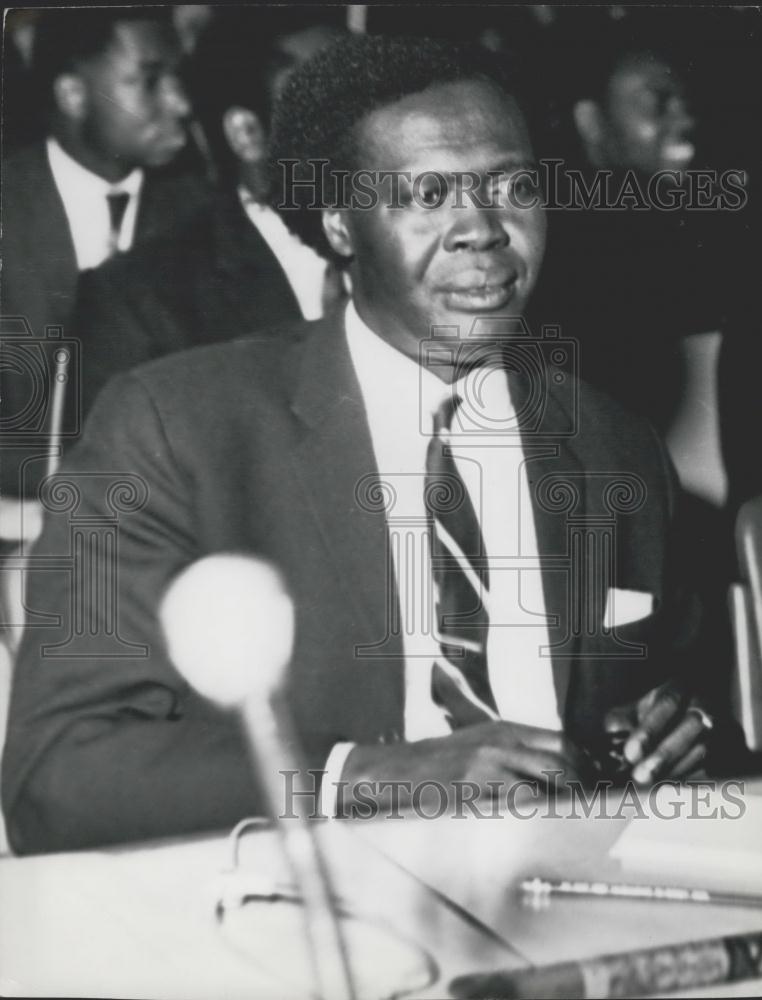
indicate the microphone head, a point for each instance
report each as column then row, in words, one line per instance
column 229, row 627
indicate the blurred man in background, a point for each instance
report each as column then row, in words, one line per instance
column 234, row 268
column 647, row 289
column 622, row 279
column 637, row 117
column 97, row 182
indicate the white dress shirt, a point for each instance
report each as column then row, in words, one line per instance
column 401, row 398
column 304, row 268
column 85, row 201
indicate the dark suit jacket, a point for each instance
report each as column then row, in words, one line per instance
column 39, row 268
column 214, row 280
column 251, row 447
column 39, row 278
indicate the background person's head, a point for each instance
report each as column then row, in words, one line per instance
column 238, row 70
column 109, row 81
column 632, row 110
column 390, row 104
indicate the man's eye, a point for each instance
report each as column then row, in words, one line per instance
column 525, row 187
column 430, row 193
column 431, row 197
column 519, row 187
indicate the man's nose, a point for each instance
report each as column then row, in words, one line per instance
column 174, row 99
column 476, row 228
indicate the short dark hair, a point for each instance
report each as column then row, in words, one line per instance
column 593, row 60
column 66, row 38
column 316, row 115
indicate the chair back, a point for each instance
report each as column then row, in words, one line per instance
column 746, row 616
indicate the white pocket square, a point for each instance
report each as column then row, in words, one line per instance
column 625, row 606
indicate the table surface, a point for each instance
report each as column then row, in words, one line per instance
column 433, row 899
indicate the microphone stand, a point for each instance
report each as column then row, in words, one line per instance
column 246, row 601
column 271, row 742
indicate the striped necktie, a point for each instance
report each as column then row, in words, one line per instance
column 459, row 680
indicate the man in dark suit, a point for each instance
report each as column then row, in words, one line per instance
column 234, row 268
column 318, row 457
column 630, row 120
column 98, row 182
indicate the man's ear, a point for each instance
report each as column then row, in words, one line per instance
column 70, row 95
column 245, row 134
column 589, row 123
column 337, row 232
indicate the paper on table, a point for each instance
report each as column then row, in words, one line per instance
column 697, row 837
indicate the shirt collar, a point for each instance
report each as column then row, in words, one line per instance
column 71, row 177
column 385, row 373
column 383, row 369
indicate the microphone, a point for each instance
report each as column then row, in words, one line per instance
column 229, row 626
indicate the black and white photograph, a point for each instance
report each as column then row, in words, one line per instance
column 380, row 501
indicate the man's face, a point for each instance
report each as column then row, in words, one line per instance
column 647, row 124
column 415, row 267
column 135, row 102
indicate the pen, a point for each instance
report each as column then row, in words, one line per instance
column 635, row 973
column 538, row 889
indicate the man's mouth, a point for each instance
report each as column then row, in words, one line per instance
column 171, row 140
column 176, row 140
column 480, row 292
column 678, row 152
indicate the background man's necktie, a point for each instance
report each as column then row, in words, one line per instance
column 117, row 206
column 459, row 679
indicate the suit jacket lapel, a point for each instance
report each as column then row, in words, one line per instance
column 154, row 216
column 54, row 255
column 160, row 209
column 170, row 197
column 336, row 465
column 557, row 489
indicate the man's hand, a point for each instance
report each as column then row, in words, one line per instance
column 488, row 752
column 667, row 733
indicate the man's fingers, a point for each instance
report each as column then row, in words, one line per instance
column 528, row 762
column 509, row 736
column 553, row 742
column 690, row 763
column 548, row 740
column 620, row 720
column 673, row 748
column 657, row 720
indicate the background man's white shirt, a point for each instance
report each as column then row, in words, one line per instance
column 304, row 268
column 85, row 201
